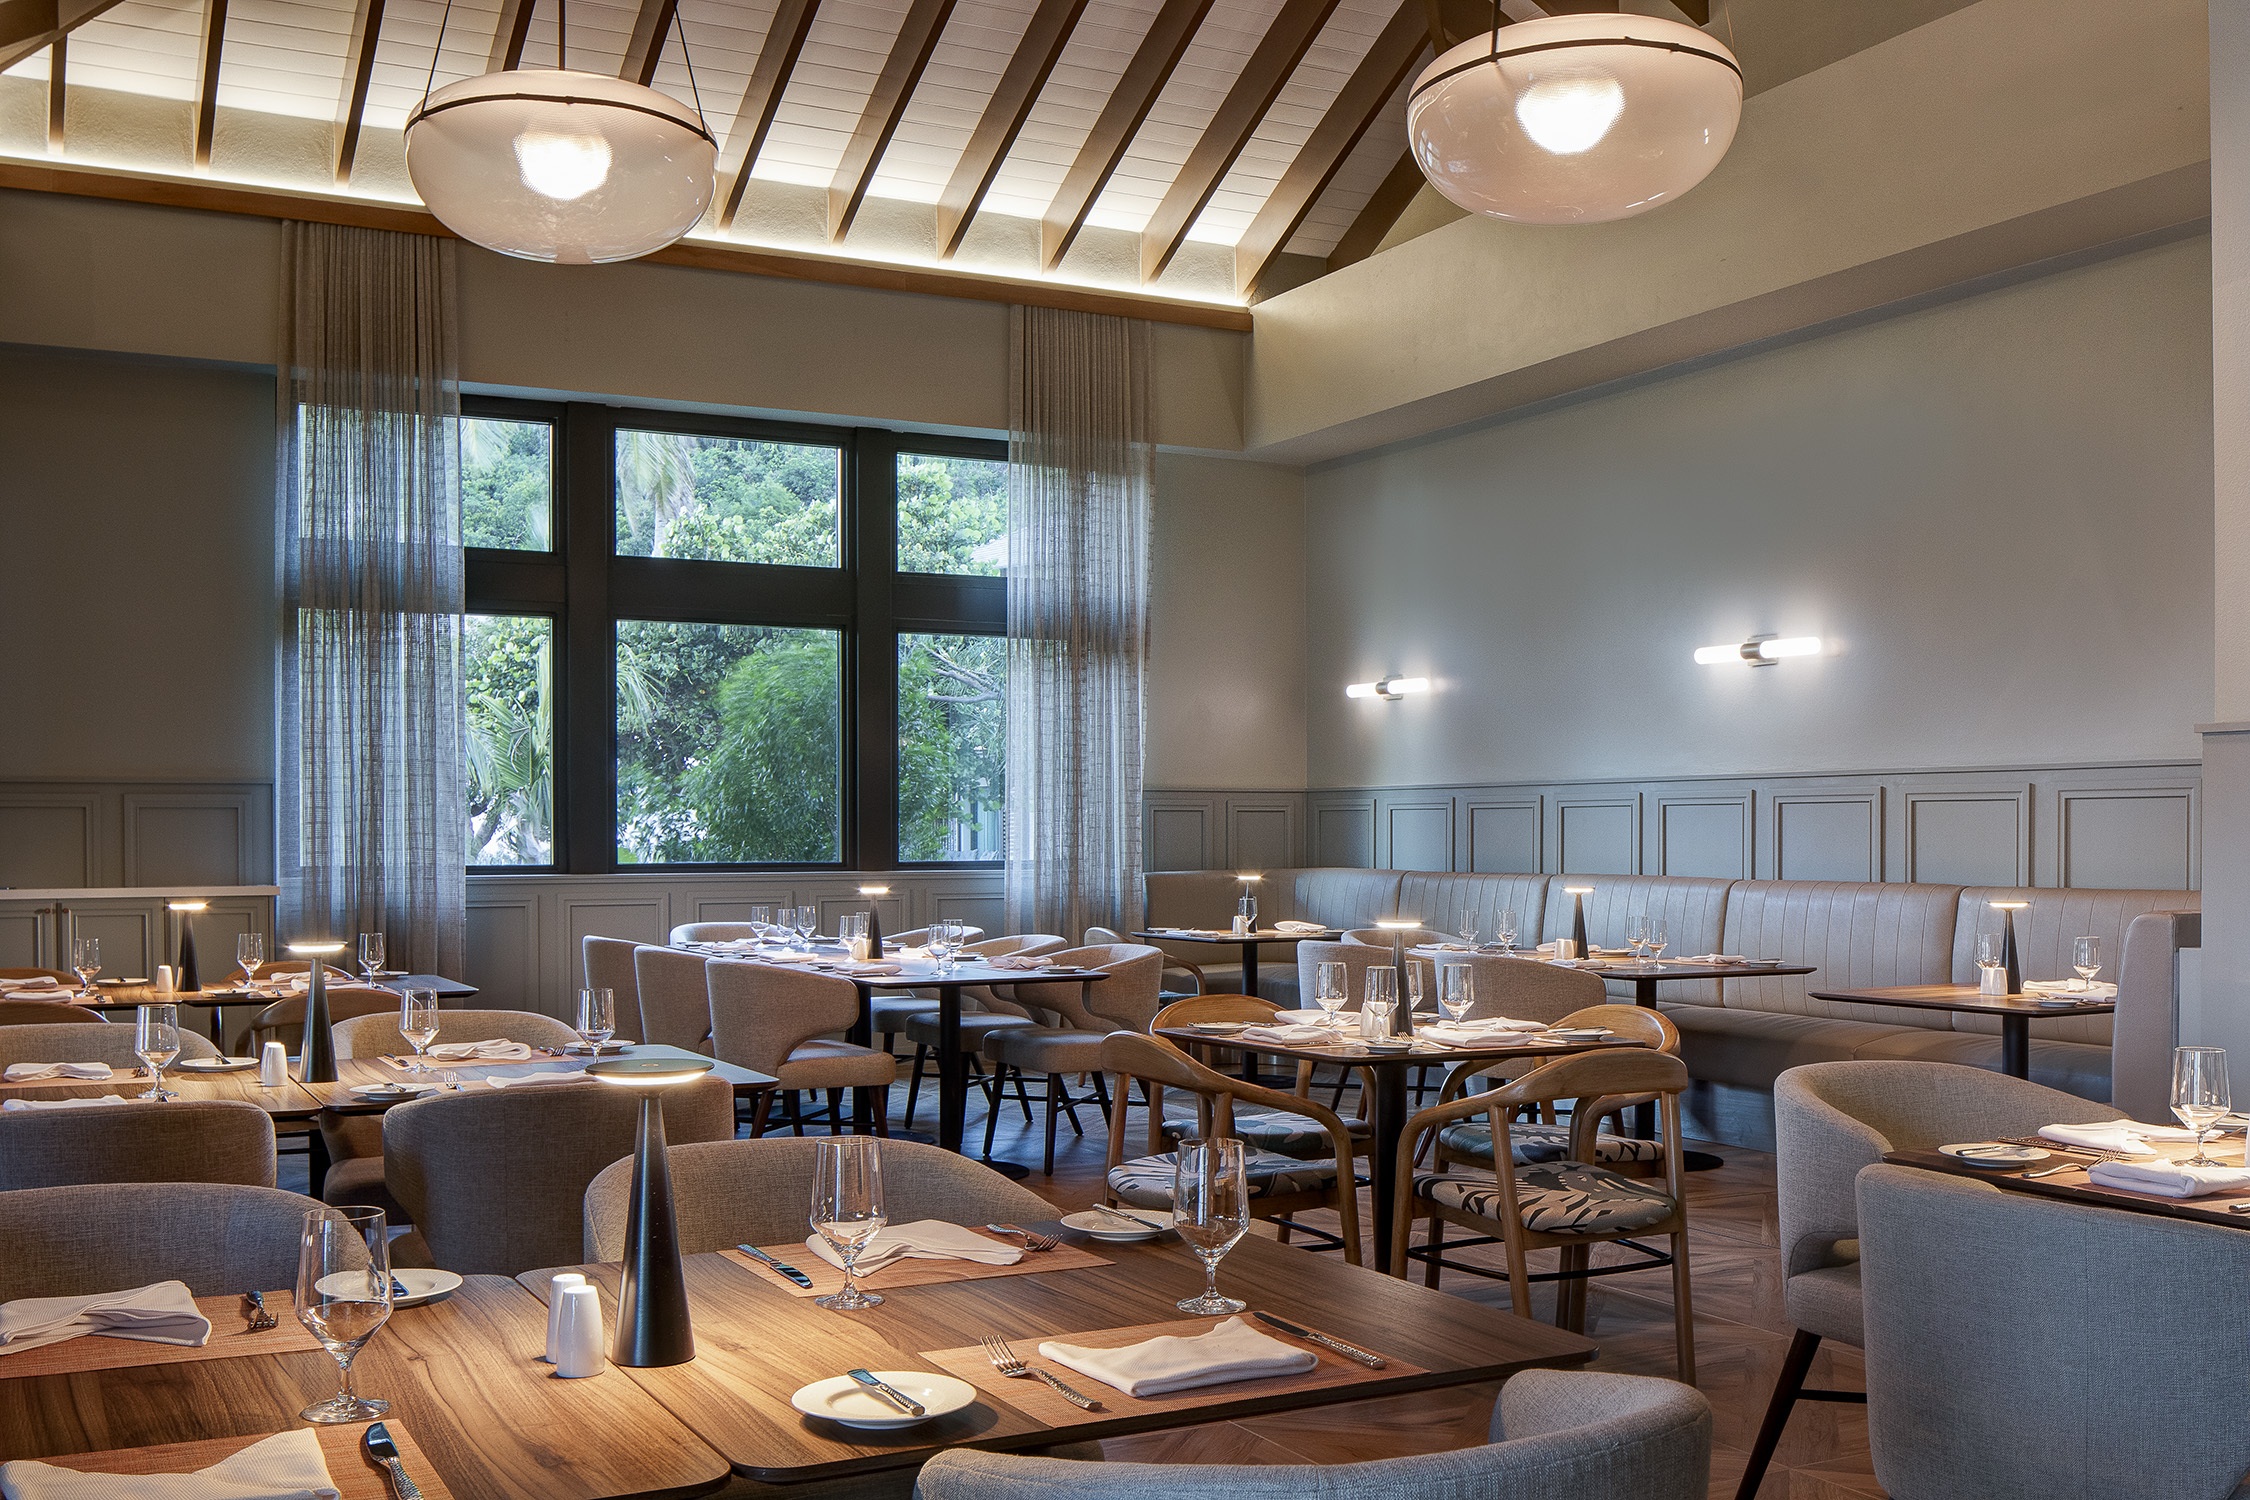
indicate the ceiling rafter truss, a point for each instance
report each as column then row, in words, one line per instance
column 761, row 99
column 1003, row 119
column 886, row 106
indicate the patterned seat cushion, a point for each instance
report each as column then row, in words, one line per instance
column 1282, row 1134
column 1531, row 1142
column 1147, row 1182
column 1564, row 1197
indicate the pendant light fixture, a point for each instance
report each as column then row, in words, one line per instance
column 1575, row 119
column 556, row 165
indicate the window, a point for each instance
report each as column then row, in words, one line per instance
column 729, row 744
column 702, row 641
column 507, row 662
column 952, row 746
column 952, row 514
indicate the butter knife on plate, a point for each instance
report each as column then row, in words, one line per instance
column 1349, row 1351
column 890, row 1393
column 781, row 1266
column 384, row 1452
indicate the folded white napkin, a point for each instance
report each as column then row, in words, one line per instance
column 567, row 1075
column 1298, row 927
column 1441, row 948
column 1546, row 947
column 2170, row 1179
column 870, row 968
column 922, row 1239
column 2129, row 1136
column 62, row 1103
column 1477, row 1029
column 286, row 1466
column 163, row 1312
column 1299, row 1017
column 38, row 982
column 33, row 1072
column 1288, row 1036
column 1712, row 958
column 1232, row 1351
column 2064, row 989
column 492, row 1051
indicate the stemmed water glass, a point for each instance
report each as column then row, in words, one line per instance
column 807, row 922
column 1330, row 988
column 1469, row 929
column 1504, row 928
column 2200, row 1095
column 1414, row 990
column 343, row 1296
column 370, row 955
column 597, row 1018
column 1211, row 1197
column 1457, row 991
column 2086, row 958
column 1636, row 937
column 156, row 1042
column 418, row 1023
column 761, row 921
column 847, row 1210
column 86, row 960
column 1656, row 939
column 945, row 944
column 249, row 955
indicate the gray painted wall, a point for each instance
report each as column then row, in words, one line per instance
column 1997, row 508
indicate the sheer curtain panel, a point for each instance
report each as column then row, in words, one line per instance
column 372, row 799
column 1079, row 461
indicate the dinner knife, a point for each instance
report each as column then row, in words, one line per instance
column 385, row 1452
column 890, row 1393
column 781, row 1266
column 1349, row 1351
column 1119, row 1213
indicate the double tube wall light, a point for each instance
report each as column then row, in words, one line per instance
column 1389, row 689
column 1759, row 650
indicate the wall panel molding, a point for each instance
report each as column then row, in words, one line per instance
column 1970, row 835
column 1822, row 835
column 106, row 834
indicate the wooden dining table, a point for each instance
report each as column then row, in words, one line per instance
column 1250, row 943
column 214, row 1000
column 469, row 1075
column 289, row 1101
column 2229, row 1210
column 2014, row 1012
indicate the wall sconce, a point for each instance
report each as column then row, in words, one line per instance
column 1389, row 689
column 1759, row 650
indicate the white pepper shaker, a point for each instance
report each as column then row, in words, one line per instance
column 578, row 1340
column 563, row 1282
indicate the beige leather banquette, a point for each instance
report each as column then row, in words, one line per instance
column 1737, row 1037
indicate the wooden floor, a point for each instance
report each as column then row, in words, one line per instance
column 1741, row 1333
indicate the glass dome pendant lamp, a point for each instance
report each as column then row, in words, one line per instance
column 562, row 166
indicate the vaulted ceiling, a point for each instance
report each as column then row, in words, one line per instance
column 1208, row 149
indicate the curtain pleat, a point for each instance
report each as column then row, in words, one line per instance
column 1079, row 476
column 372, row 802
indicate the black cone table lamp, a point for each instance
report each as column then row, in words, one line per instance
column 653, row 1326
column 318, row 1050
column 185, row 978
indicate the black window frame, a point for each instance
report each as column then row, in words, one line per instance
column 586, row 589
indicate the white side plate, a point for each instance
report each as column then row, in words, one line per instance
column 844, row 1400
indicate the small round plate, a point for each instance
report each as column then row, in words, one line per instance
column 607, row 1049
column 1389, row 1044
column 1580, row 1033
column 845, row 1401
column 390, row 1093
column 1215, row 1028
column 1117, row 1231
column 215, row 1065
column 421, row 1285
column 1995, row 1154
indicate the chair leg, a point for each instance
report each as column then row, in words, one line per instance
column 1570, row 1295
column 1683, row 1309
column 1794, row 1367
column 1023, row 1096
column 914, row 1083
column 1054, row 1093
column 796, row 1116
column 835, row 1111
column 999, row 1091
column 1433, row 1270
column 880, row 1099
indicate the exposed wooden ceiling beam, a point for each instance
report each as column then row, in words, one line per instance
column 1364, row 97
column 207, row 79
column 1284, row 45
column 1003, row 118
column 894, row 87
column 29, row 26
column 58, row 88
column 359, row 69
column 1165, row 42
column 508, row 36
column 777, row 59
column 646, row 48
column 1381, row 212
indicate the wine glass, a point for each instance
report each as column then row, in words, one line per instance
column 597, row 1018
column 1636, row 937
column 1988, row 950
column 1469, row 929
column 761, row 921
column 156, row 1041
column 1211, row 1199
column 945, row 943
column 2200, row 1096
column 370, row 955
column 2086, row 958
column 1414, row 990
column 807, row 923
column 1457, row 991
column 343, row 1296
column 249, row 955
column 1331, row 983
column 1656, row 938
column 418, row 1023
column 847, row 1209
column 86, row 959
column 1380, row 999
column 1504, row 928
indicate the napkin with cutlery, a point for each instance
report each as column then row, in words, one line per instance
column 1298, row 928
column 1713, row 958
column 286, row 1466
column 2129, row 1136
column 1173, row 1362
column 1018, row 961
column 2168, row 1179
column 1288, row 1036
column 566, row 1075
column 1482, row 1029
column 63, row 1103
column 34, row 1072
column 920, row 1239
column 2063, row 989
column 163, row 1312
column 33, row 985
column 869, row 969
column 491, row 1051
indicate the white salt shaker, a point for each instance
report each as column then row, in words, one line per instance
column 273, row 1065
column 563, row 1282
column 164, row 979
column 578, row 1340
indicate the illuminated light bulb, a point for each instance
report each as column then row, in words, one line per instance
column 1571, row 114
column 1360, row 690
column 562, row 167
column 1794, row 645
column 1716, row 656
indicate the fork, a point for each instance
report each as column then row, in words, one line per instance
column 256, row 1316
column 1005, row 1361
column 1033, row 1240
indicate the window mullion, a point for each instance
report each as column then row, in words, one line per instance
column 872, row 741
